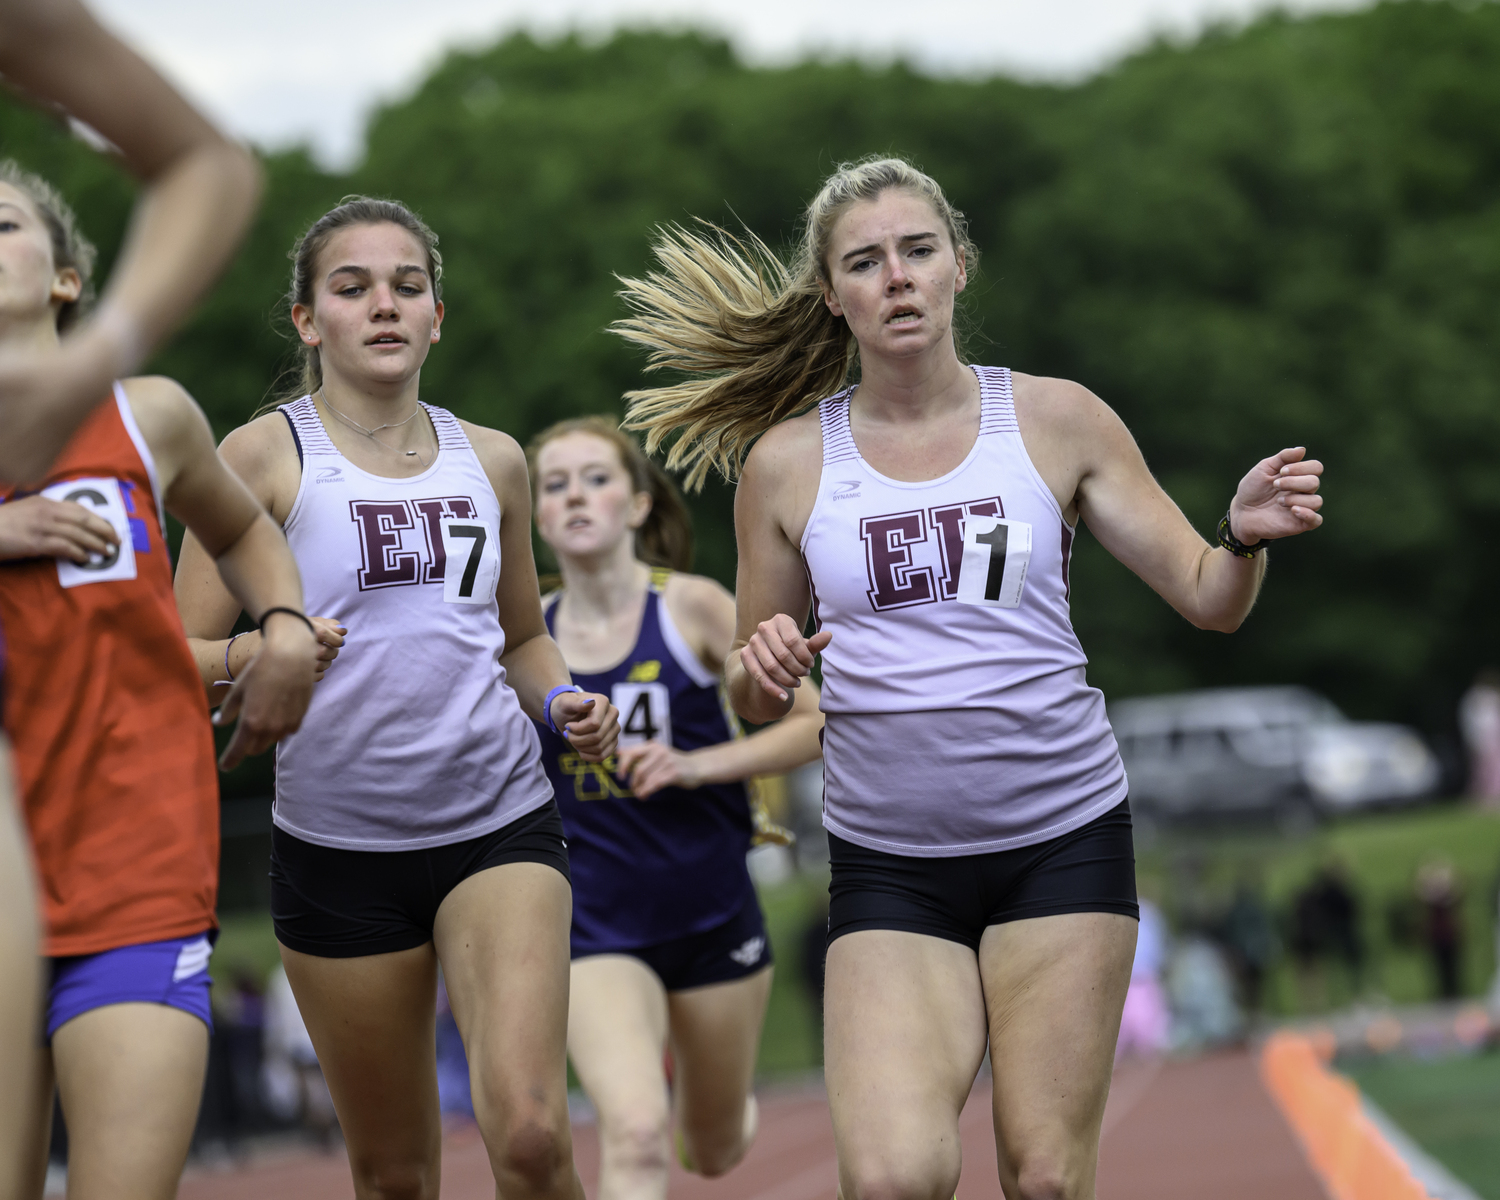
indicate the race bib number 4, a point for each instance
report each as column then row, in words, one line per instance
column 101, row 497
column 645, row 712
column 473, row 567
column 997, row 552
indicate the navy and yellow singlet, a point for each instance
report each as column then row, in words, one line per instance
column 650, row 871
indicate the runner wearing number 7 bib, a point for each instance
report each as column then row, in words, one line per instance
column 668, row 942
column 983, row 886
column 414, row 825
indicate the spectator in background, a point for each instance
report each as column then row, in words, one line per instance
column 1325, row 924
column 1442, row 923
column 1146, row 1022
column 1479, row 721
column 1250, row 937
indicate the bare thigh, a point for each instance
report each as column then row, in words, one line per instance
column 130, row 1077
column 905, row 1029
column 1054, row 987
column 502, row 937
column 617, row 1035
column 372, row 1021
column 20, row 989
column 715, row 1032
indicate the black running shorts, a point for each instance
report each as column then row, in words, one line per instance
column 1091, row 869
column 348, row 903
column 733, row 950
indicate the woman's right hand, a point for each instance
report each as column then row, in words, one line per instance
column 331, row 636
column 38, row 527
column 778, row 657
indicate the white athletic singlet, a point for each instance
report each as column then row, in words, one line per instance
column 413, row 738
column 959, row 719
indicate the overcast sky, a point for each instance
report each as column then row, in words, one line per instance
column 283, row 71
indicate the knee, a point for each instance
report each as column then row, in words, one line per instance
column 535, row 1150
column 382, row 1179
column 893, row 1181
column 717, row 1160
column 1047, row 1180
column 636, row 1141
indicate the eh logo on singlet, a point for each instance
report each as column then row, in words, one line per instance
column 895, row 541
column 401, row 541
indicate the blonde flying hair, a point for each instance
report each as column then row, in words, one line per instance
column 752, row 334
column 665, row 538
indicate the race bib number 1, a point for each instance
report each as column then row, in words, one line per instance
column 473, row 568
column 997, row 552
column 101, row 497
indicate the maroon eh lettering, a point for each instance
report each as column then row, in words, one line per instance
column 894, row 582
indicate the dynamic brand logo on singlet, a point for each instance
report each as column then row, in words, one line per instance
column 981, row 556
column 407, row 543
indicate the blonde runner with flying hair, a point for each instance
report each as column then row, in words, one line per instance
column 753, row 334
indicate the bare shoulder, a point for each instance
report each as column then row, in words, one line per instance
column 698, row 598
column 788, row 447
column 163, row 410
column 1057, row 405
column 781, row 475
column 499, row 454
column 703, row 609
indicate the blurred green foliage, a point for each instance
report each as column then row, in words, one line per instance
column 1279, row 235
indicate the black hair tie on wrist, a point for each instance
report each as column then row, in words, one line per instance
column 1234, row 545
column 291, row 612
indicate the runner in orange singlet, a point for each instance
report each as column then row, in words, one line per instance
column 198, row 193
column 114, row 751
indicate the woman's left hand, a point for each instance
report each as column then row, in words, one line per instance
column 589, row 722
column 1278, row 498
column 650, row 766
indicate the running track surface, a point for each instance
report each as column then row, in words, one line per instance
column 1173, row 1131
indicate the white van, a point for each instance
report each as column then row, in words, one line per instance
column 1280, row 751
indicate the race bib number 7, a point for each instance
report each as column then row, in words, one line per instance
column 472, row 548
column 101, row 497
column 997, row 552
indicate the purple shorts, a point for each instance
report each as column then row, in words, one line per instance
column 173, row 972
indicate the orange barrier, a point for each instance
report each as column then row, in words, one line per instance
column 1351, row 1157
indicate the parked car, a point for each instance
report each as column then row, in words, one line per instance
column 1284, row 752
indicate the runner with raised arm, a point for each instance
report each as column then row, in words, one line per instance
column 983, row 887
column 415, row 825
column 669, row 944
column 200, row 192
column 113, row 748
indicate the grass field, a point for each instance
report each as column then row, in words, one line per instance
column 1194, row 875
column 1450, row 1107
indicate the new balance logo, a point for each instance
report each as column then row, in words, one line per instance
column 846, row 489
column 749, row 954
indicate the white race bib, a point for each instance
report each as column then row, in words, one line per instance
column 997, row 552
column 645, row 712
column 101, row 497
column 473, row 567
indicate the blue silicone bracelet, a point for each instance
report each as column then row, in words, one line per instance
column 553, row 695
